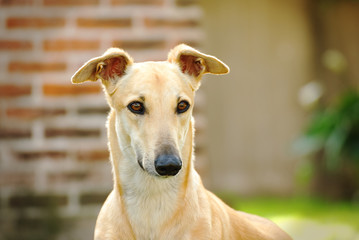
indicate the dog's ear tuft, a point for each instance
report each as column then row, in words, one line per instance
column 195, row 63
column 109, row 67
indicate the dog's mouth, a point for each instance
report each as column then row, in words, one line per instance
column 139, row 161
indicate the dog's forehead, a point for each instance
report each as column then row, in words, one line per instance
column 160, row 77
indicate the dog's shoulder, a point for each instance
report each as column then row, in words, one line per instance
column 111, row 222
column 243, row 226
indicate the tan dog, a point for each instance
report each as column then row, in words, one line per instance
column 157, row 193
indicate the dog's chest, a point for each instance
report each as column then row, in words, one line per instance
column 149, row 206
column 148, row 214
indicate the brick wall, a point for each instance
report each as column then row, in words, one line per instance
column 54, row 169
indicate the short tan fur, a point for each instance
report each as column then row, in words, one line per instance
column 157, row 193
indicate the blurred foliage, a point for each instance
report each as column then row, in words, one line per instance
column 335, row 132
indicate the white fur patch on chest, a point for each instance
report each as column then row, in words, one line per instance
column 149, row 203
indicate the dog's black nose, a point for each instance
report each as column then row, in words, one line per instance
column 168, row 165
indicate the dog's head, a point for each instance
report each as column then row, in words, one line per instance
column 153, row 102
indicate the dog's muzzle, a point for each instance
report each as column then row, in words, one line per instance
column 168, row 165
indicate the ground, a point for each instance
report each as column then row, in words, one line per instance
column 305, row 218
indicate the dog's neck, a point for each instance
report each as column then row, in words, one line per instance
column 149, row 201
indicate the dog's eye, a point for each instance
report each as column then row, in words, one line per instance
column 182, row 106
column 136, row 107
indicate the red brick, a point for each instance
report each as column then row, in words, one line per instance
column 95, row 155
column 68, row 176
column 10, row 91
column 37, row 200
column 16, row 179
column 13, row 133
column 93, row 110
column 33, row 113
column 171, row 23
column 16, row 2
column 34, row 22
column 33, row 67
column 36, row 155
column 104, row 22
column 66, row 90
column 15, row 45
column 93, row 198
column 185, row 3
column 71, row 132
column 70, row 3
column 70, row 45
column 138, row 2
column 145, row 44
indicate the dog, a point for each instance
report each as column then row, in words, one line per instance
column 157, row 193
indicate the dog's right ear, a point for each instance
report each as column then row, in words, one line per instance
column 109, row 67
column 194, row 63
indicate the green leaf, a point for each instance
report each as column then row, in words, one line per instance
column 333, row 146
column 307, row 145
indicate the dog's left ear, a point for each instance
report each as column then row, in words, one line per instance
column 195, row 63
column 109, row 67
